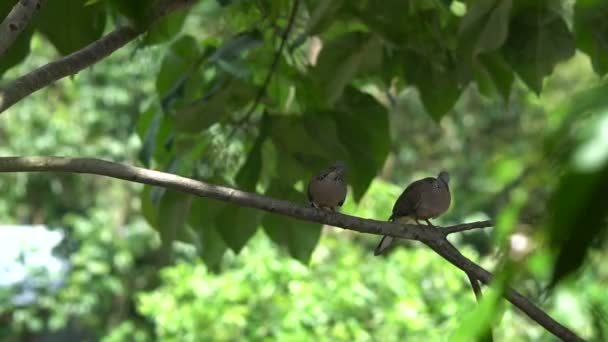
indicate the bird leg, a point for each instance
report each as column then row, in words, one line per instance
column 429, row 223
column 418, row 222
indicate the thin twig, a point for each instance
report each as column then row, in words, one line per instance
column 433, row 237
column 16, row 21
column 467, row 226
column 73, row 63
column 475, row 286
column 273, row 66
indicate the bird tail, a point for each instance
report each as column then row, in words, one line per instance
column 384, row 244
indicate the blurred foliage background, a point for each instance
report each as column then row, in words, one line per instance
column 518, row 118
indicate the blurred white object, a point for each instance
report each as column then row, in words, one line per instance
column 26, row 248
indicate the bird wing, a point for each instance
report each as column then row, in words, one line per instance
column 411, row 197
column 308, row 191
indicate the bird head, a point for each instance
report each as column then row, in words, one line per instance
column 444, row 176
column 339, row 166
column 338, row 169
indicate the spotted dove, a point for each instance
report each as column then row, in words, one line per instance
column 424, row 199
column 327, row 190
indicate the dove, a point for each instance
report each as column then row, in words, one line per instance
column 327, row 190
column 424, row 199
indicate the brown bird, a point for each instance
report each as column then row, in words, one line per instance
column 327, row 190
column 424, row 199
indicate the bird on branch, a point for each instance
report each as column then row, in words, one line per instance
column 327, row 190
column 423, row 199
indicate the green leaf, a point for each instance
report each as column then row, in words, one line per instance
column 478, row 323
column 437, row 81
column 299, row 237
column 591, row 29
column 493, row 75
column 202, row 220
column 237, row 45
column 577, row 217
column 137, row 11
column 341, row 60
column 295, row 144
column 149, row 208
column 249, row 174
column 165, row 28
column 17, row 52
column 156, row 130
column 538, row 40
column 486, row 25
column 236, row 225
column 177, row 62
column 363, row 128
column 323, row 15
column 220, row 101
column 484, row 30
column 305, row 145
column 388, row 19
column 173, row 211
column 70, row 25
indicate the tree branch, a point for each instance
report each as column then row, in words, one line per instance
column 16, row 21
column 445, row 249
column 73, row 63
column 433, row 237
column 467, row 226
column 475, row 286
column 273, row 65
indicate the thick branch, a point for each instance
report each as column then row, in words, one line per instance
column 16, row 21
column 65, row 66
column 73, row 63
column 435, row 238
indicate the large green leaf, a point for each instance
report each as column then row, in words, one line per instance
column 323, row 14
column 236, row 225
column 149, row 207
column 299, row 237
column 300, row 153
column 165, row 28
column 177, row 62
column 173, row 208
column 17, row 52
column 137, row 11
column 483, row 30
column 156, row 130
column 486, row 25
column 363, row 128
column 223, row 99
column 341, row 60
column 591, row 28
column 578, row 217
column 70, row 25
column 249, row 174
column 211, row 246
column 538, row 40
column 437, row 81
column 493, row 75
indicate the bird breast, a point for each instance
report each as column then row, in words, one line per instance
column 328, row 191
column 433, row 203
